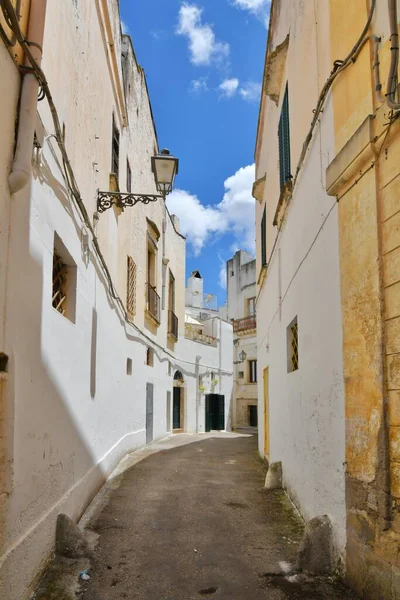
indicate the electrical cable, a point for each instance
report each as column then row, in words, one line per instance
column 8, row 8
column 338, row 67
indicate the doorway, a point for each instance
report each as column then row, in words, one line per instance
column 266, row 413
column 215, row 412
column 178, row 403
column 253, row 420
column 176, row 413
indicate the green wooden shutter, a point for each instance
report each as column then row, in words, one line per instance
column 264, row 238
column 284, row 141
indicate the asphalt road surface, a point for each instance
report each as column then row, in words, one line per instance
column 194, row 522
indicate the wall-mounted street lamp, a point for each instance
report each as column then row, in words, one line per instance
column 242, row 358
column 164, row 167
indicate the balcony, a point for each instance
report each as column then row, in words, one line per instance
column 172, row 325
column 244, row 325
column 153, row 303
column 194, row 333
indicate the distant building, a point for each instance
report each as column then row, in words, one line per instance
column 241, row 312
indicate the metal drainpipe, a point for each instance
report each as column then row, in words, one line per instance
column 164, row 262
column 220, row 355
column 394, row 57
column 22, row 165
column 197, row 374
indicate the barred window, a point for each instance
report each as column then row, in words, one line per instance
column 293, row 346
column 60, row 271
column 64, row 280
column 131, row 287
column 252, row 371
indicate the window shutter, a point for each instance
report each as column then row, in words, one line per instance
column 264, row 238
column 284, row 141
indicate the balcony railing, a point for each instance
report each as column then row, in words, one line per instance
column 172, row 324
column 194, row 334
column 244, row 325
column 153, row 302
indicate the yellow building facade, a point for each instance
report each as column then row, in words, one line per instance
column 365, row 178
column 328, row 270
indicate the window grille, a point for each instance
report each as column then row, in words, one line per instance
column 60, row 271
column 264, row 238
column 115, row 149
column 131, row 288
column 252, row 371
column 284, row 141
column 128, row 177
column 293, row 346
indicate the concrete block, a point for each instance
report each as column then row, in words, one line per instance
column 273, row 480
column 316, row 554
column 70, row 541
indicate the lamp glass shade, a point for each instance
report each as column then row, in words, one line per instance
column 164, row 168
column 242, row 355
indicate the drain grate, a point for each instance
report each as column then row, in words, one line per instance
column 209, row 591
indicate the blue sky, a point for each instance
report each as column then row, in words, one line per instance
column 204, row 62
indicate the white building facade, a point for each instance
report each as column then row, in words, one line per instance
column 300, row 386
column 92, row 302
column 241, row 312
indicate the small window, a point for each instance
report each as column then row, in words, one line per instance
column 293, row 346
column 241, row 375
column 131, row 288
column 169, row 369
column 128, row 177
column 264, row 238
column 150, row 357
column 284, row 142
column 64, row 281
column 129, row 366
column 252, row 371
column 115, row 149
column 251, row 307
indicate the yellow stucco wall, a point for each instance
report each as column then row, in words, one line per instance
column 369, row 225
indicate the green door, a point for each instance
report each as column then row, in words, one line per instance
column 176, row 411
column 215, row 412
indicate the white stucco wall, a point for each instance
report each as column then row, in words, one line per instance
column 306, row 407
column 75, row 410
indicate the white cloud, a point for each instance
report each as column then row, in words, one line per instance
column 260, row 8
column 197, row 221
column 125, row 28
column 229, row 87
column 251, row 91
column 222, row 273
column 202, row 42
column 199, row 85
column 235, row 214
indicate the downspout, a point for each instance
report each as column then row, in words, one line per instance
column 394, row 57
column 220, row 356
column 22, row 165
column 197, row 374
column 164, row 261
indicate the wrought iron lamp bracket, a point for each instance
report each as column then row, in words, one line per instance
column 105, row 200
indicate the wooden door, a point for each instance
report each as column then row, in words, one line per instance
column 176, row 416
column 266, row 413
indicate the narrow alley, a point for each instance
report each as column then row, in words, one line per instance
column 194, row 521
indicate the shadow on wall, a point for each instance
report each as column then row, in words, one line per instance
column 47, row 466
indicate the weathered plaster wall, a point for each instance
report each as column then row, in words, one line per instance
column 305, row 418
column 370, row 291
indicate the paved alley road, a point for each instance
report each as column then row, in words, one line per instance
column 194, row 521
